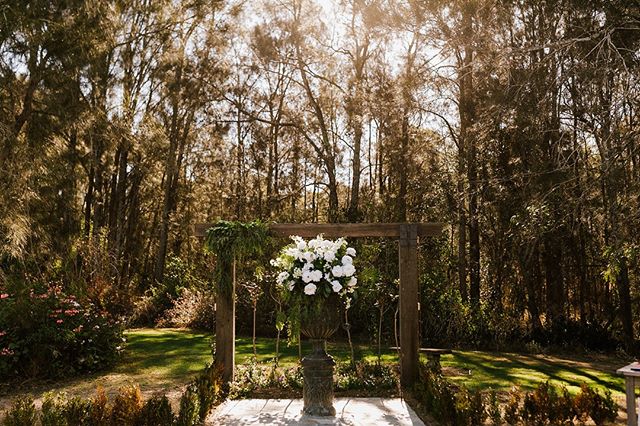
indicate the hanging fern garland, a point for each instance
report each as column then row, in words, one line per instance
column 232, row 240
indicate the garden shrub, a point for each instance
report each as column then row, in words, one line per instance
column 493, row 408
column 546, row 405
column 589, row 403
column 209, row 386
column 46, row 332
column 365, row 376
column 99, row 414
column 438, row 395
column 127, row 406
column 178, row 276
column 251, row 377
column 569, row 333
column 53, row 410
column 77, row 412
column 192, row 309
column 512, row 409
column 156, row 412
column 292, row 378
column 189, row 407
column 21, row 413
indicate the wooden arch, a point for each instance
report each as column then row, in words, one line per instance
column 407, row 235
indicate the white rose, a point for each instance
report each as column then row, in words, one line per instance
column 307, row 267
column 316, row 275
column 347, row 260
column 352, row 282
column 310, row 289
column 301, row 245
column 348, row 270
column 336, row 286
column 351, row 251
column 337, row 271
column 307, row 276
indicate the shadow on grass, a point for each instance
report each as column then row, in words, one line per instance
column 504, row 370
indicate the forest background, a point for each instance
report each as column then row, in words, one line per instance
column 513, row 121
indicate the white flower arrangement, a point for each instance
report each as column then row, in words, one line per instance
column 318, row 267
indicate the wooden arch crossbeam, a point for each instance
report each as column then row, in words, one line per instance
column 407, row 235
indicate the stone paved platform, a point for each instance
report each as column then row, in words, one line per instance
column 349, row 411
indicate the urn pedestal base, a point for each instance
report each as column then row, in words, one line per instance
column 317, row 369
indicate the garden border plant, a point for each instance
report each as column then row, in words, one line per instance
column 455, row 405
column 127, row 409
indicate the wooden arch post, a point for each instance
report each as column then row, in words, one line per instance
column 407, row 235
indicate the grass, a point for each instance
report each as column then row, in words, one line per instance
column 158, row 360
column 164, row 360
column 476, row 369
column 501, row 371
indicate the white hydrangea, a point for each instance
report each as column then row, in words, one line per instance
column 348, row 270
column 337, row 271
column 329, row 256
column 317, row 266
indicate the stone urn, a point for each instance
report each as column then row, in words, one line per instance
column 317, row 367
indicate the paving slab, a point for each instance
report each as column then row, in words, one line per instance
column 349, row 411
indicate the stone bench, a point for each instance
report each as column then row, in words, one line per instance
column 433, row 356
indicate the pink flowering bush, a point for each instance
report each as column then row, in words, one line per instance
column 45, row 332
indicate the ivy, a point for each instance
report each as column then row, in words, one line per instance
column 233, row 240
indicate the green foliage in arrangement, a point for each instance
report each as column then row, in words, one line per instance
column 234, row 240
column 455, row 405
column 21, row 413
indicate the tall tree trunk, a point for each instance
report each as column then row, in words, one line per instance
column 626, row 315
column 469, row 151
column 401, row 207
column 554, row 278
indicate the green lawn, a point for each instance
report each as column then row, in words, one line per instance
column 477, row 369
column 503, row 370
column 164, row 360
